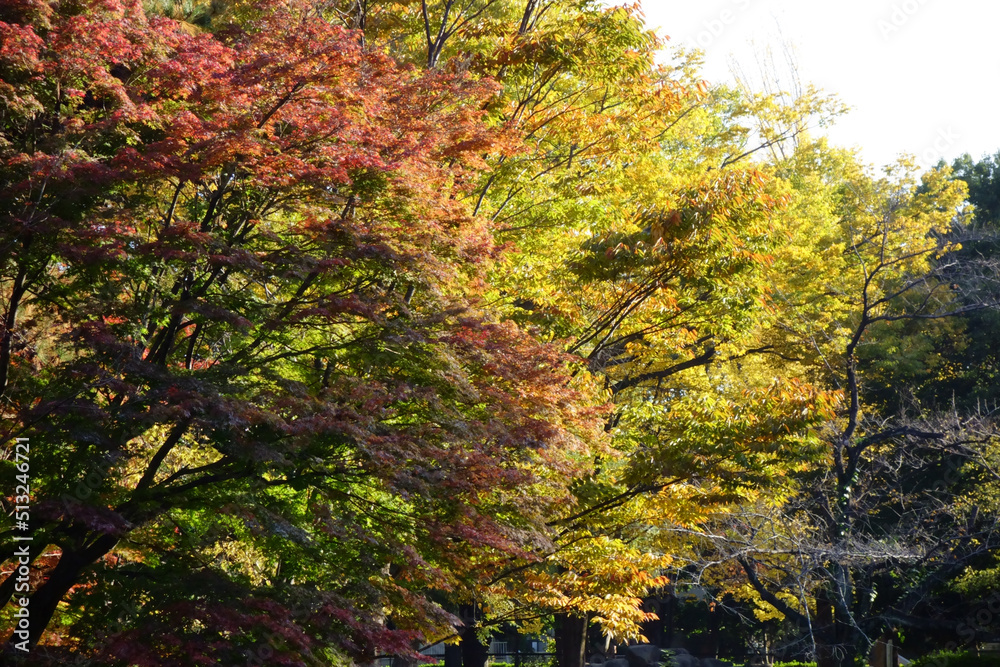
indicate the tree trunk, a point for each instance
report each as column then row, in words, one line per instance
column 838, row 640
column 17, row 292
column 474, row 652
column 713, row 631
column 826, row 656
column 671, row 612
column 653, row 630
column 46, row 599
column 571, row 640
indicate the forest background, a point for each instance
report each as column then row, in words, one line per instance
column 338, row 329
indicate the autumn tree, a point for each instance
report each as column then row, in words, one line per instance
column 958, row 364
column 244, row 285
column 872, row 531
column 240, row 313
column 650, row 268
column 309, row 309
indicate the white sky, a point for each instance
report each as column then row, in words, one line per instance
column 921, row 76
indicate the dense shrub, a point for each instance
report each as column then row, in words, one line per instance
column 957, row 659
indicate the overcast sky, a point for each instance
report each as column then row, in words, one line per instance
column 921, row 76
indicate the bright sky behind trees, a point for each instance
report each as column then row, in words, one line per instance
column 920, row 74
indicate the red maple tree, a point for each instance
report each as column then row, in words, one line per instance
column 241, row 287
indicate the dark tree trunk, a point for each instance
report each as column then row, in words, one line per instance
column 653, row 630
column 18, row 291
column 474, row 652
column 571, row 640
column 713, row 631
column 670, row 609
column 45, row 601
column 825, row 632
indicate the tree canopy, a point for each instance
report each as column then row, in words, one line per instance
column 327, row 323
